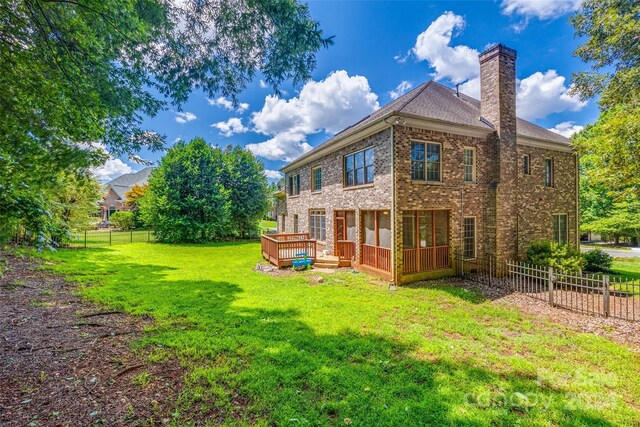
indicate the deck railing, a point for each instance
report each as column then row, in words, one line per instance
column 376, row 257
column 415, row 260
column 281, row 249
column 346, row 250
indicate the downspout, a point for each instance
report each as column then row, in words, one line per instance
column 394, row 274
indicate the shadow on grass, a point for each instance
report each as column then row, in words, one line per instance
column 254, row 364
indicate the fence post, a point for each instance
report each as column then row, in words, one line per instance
column 550, row 281
column 85, row 239
column 605, row 284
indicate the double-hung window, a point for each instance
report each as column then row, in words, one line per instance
column 316, row 179
column 526, row 164
column 548, row 173
column 560, row 229
column 469, row 164
column 294, row 185
column 318, row 224
column 426, row 161
column 469, row 237
column 359, row 168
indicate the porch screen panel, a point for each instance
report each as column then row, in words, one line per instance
column 426, row 229
column 384, row 229
column 351, row 226
column 369, row 223
column 408, row 230
column 442, row 227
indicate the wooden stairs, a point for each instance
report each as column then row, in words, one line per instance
column 328, row 261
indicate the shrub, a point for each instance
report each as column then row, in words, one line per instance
column 123, row 219
column 551, row 254
column 597, row 260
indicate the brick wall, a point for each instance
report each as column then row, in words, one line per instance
column 336, row 197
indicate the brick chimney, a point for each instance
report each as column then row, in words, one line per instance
column 498, row 107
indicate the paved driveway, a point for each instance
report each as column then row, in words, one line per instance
column 616, row 253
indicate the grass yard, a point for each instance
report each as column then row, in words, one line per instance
column 286, row 351
column 267, row 225
column 626, row 267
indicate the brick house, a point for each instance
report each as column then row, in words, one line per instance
column 115, row 191
column 433, row 174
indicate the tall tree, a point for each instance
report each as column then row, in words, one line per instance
column 74, row 72
column 612, row 47
column 248, row 189
column 187, row 200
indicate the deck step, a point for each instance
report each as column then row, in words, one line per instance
column 327, row 262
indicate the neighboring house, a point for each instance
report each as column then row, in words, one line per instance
column 434, row 174
column 116, row 190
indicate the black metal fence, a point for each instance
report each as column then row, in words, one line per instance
column 591, row 294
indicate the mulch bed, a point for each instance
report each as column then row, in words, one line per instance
column 64, row 361
column 622, row 331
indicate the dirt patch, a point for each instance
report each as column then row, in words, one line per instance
column 622, row 331
column 67, row 362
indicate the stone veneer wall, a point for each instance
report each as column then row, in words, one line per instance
column 334, row 196
column 537, row 203
column 479, row 197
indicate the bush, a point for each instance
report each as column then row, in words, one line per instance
column 551, row 254
column 597, row 260
column 124, row 220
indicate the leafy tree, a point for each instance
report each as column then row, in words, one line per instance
column 248, row 190
column 621, row 220
column 124, row 220
column 75, row 72
column 187, row 200
column 134, row 194
column 612, row 31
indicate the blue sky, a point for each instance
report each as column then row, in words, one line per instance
column 382, row 49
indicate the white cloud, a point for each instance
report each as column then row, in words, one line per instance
column 223, row 102
column 263, row 84
column 111, row 169
column 471, row 88
column 271, row 174
column 566, row 129
column 328, row 105
column 542, row 94
column 184, row 117
column 400, row 89
column 283, row 146
column 231, row 127
column 242, row 107
column 541, row 9
column 457, row 63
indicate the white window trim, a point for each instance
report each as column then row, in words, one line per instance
column 474, row 165
column 475, row 237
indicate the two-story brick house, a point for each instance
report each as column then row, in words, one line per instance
column 436, row 173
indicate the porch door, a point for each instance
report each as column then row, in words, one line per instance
column 345, row 238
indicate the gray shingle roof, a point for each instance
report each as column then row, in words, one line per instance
column 433, row 100
column 123, row 183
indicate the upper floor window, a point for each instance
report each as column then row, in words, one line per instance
column 470, row 164
column 425, row 161
column 548, row 173
column 560, row 229
column 358, row 168
column 526, row 164
column 294, row 185
column 316, row 179
column 295, row 223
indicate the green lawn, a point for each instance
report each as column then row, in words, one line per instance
column 287, row 351
column 267, row 225
column 626, row 267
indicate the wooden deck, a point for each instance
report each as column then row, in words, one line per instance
column 281, row 249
